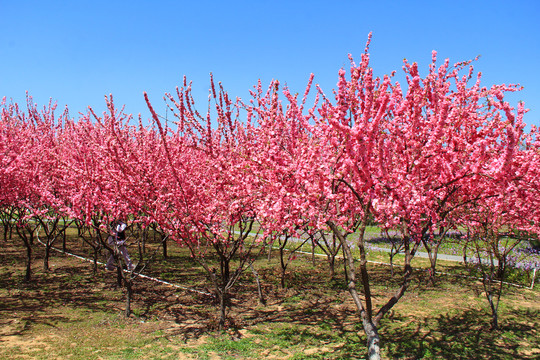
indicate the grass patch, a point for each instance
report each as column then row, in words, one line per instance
column 69, row 312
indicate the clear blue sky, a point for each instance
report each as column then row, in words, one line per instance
column 78, row 51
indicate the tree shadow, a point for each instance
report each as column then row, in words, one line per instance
column 463, row 335
column 457, row 335
column 383, row 240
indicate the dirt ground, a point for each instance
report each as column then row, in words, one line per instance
column 69, row 288
column 72, row 307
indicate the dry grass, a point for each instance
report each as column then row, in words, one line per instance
column 70, row 313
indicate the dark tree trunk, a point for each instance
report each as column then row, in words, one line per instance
column 95, row 262
column 494, row 313
column 259, row 288
column 165, row 249
column 433, row 265
column 7, row 221
column 332, row 264
column 46, row 258
column 119, row 277
column 313, row 253
column 345, row 269
column 433, row 251
column 129, row 296
column 283, row 269
column 28, row 274
column 282, row 260
column 64, row 247
column 144, row 238
column 6, row 230
column 28, row 242
column 269, row 252
column 370, row 328
column 222, row 309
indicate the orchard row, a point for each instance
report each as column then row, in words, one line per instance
column 437, row 153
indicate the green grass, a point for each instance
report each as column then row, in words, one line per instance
column 69, row 313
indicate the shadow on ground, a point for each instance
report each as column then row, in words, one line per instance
column 463, row 335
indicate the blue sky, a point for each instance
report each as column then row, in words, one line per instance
column 75, row 52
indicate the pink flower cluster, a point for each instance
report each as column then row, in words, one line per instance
column 440, row 151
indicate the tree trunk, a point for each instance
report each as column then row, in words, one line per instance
column 332, row 264
column 313, row 253
column 222, row 308
column 494, row 303
column 27, row 240
column 64, row 247
column 95, row 262
column 46, row 257
column 374, row 348
column 433, row 264
column 345, row 269
column 129, row 295
column 391, row 255
column 8, row 225
column 28, row 274
column 165, row 249
column 144, row 238
column 370, row 328
column 269, row 252
column 119, row 270
column 432, row 251
column 282, row 262
column 259, row 288
column 494, row 314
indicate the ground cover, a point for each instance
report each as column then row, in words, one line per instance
column 68, row 312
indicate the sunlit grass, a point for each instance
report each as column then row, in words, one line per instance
column 68, row 313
